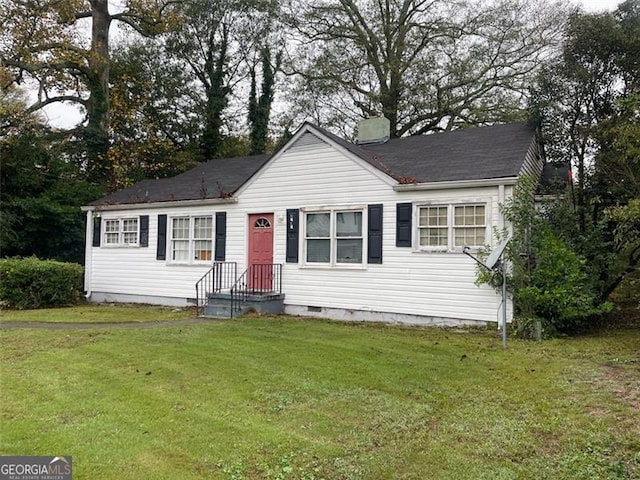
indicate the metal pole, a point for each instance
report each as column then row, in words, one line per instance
column 504, row 304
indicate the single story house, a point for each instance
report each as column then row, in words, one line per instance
column 368, row 231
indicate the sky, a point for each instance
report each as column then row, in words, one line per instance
column 66, row 116
column 599, row 5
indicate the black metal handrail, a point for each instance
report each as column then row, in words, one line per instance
column 221, row 276
column 257, row 279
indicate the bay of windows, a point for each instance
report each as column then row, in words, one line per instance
column 121, row 231
column 334, row 237
column 191, row 239
column 451, row 227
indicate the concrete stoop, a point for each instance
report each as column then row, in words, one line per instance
column 219, row 305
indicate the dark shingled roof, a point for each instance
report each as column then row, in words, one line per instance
column 218, row 178
column 471, row 154
column 477, row 153
column 554, row 179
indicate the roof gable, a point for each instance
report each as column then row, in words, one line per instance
column 312, row 136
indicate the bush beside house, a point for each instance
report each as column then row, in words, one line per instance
column 29, row 283
column 552, row 290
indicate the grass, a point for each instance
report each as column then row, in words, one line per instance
column 286, row 398
column 97, row 313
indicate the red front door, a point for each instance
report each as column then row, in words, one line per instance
column 261, row 252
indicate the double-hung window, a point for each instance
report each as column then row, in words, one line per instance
column 434, row 227
column 121, row 231
column 334, row 237
column 191, row 239
column 451, row 227
column 469, row 226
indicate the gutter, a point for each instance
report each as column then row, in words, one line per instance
column 483, row 182
column 149, row 205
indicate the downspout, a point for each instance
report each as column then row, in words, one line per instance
column 501, row 199
column 88, row 254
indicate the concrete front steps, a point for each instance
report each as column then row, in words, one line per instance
column 219, row 304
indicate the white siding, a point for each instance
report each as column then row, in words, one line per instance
column 135, row 270
column 407, row 282
column 313, row 174
column 533, row 163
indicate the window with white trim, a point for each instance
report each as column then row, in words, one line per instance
column 334, row 237
column 121, row 231
column 451, row 227
column 191, row 239
column 469, row 226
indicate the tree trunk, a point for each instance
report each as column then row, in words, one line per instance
column 260, row 109
column 390, row 101
column 97, row 132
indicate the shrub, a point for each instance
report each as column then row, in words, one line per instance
column 29, row 283
column 557, row 291
column 552, row 291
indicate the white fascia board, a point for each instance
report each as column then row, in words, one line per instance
column 483, row 182
column 174, row 203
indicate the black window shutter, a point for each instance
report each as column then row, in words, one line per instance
column 144, row 230
column 161, row 252
column 374, row 236
column 404, row 212
column 96, row 231
column 293, row 220
column 221, row 236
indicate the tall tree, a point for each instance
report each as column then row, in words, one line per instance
column 260, row 106
column 588, row 103
column 424, row 64
column 40, row 191
column 43, row 45
column 214, row 43
column 154, row 125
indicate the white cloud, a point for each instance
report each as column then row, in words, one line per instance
column 599, row 5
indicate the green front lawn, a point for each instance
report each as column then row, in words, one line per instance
column 284, row 398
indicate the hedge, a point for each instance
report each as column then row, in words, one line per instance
column 29, row 283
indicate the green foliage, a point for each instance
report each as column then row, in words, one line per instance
column 215, row 43
column 40, row 197
column 628, row 223
column 44, row 228
column 557, row 290
column 589, row 105
column 43, row 44
column 260, row 108
column 29, row 283
column 550, row 282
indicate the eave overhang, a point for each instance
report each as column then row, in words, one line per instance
column 159, row 205
column 452, row 184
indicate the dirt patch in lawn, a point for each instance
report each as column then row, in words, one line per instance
column 625, row 383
